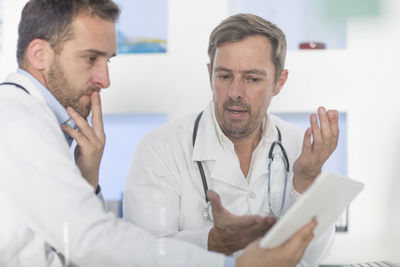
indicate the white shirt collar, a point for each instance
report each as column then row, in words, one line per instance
column 208, row 139
column 268, row 129
column 222, row 138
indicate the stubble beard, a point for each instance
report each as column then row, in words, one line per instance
column 60, row 87
column 233, row 128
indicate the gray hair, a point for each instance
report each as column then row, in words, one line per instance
column 238, row 27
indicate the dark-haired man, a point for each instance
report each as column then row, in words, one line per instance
column 51, row 216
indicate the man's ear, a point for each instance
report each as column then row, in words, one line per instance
column 39, row 54
column 281, row 81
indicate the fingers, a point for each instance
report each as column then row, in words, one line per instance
column 325, row 122
column 298, row 243
column 324, row 135
column 78, row 137
column 81, row 123
column 269, row 220
column 306, row 233
column 93, row 135
column 316, row 133
column 307, row 145
column 222, row 217
column 262, row 226
column 97, row 116
column 333, row 116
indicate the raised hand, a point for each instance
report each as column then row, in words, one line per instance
column 90, row 140
column 315, row 153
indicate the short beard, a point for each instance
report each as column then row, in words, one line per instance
column 230, row 129
column 61, row 89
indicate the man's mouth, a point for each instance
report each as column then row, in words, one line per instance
column 236, row 110
column 90, row 92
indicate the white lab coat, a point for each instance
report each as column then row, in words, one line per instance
column 42, row 190
column 164, row 191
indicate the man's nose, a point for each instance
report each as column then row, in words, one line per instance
column 101, row 76
column 236, row 89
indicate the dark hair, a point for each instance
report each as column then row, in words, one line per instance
column 240, row 26
column 51, row 20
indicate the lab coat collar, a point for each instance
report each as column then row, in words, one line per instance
column 58, row 110
column 207, row 140
column 260, row 154
column 269, row 133
column 213, row 145
column 27, row 83
column 209, row 146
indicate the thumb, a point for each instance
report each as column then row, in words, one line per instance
column 298, row 243
column 215, row 202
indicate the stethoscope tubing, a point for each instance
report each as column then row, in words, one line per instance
column 206, row 212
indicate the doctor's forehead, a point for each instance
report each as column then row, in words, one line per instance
column 94, row 34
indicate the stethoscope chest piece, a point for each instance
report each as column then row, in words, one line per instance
column 207, row 214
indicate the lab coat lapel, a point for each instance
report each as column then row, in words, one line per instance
column 209, row 150
column 206, row 138
column 227, row 170
column 260, row 154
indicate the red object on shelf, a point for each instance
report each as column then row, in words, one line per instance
column 312, row 45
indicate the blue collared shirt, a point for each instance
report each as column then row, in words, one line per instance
column 229, row 262
column 59, row 111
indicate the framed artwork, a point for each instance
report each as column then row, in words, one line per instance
column 142, row 26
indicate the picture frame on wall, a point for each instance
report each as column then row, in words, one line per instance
column 142, row 26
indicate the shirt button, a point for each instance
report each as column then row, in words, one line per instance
column 252, row 195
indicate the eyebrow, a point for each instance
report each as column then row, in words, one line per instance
column 255, row 71
column 251, row 71
column 98, row 52
column 222, row 69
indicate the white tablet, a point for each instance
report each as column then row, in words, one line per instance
column 325, row 200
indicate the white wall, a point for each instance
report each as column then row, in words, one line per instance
column 11, row 14
column 361, row 80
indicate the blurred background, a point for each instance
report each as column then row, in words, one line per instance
column 356, row 73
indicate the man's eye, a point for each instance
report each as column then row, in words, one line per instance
column 252, row 79
column 91, row 59
column 223, row 76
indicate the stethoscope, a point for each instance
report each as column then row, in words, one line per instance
column 16, row 85
column 271, row 155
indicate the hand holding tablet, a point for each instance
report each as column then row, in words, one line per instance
column 324, row 200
